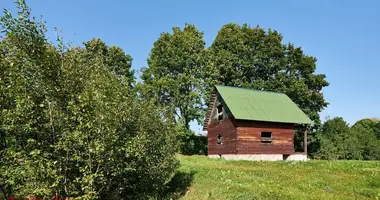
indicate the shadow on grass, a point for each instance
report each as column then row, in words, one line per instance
column 178, row 185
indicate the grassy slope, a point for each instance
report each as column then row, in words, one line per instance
column 221, row 179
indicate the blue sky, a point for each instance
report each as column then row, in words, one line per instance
column 343, row 35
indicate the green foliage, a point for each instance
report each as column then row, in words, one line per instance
column 338, row 141
column 377, row 130
column 366, row 132
column 71, row 123
column 193, row 144
column 335, row 139
column 113, row 57
column 174, row 72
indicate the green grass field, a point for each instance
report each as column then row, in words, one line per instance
column 202, row 178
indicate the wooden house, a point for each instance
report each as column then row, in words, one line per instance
column 253, row 125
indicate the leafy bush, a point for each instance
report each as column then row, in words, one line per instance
column 71, row 122
column 193, row 144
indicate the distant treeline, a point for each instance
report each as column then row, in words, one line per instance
column 336, row 140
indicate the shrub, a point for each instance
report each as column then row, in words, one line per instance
column 71, row 122
column 193, row 144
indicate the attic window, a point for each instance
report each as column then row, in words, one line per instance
column 266, row 137
column 220, row 139
column 220, row 108
column 220, row 116
column 220, row 112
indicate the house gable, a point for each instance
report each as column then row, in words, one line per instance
column 212, row 114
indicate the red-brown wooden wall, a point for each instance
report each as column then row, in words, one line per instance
column 249, row 138
column 244, row 137
column 227, row 128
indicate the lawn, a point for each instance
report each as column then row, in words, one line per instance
column 202, row 178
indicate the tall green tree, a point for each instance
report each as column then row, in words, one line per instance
column 70, row 122
column 173, row 75
column 336, row 142
column 25, row 79
column 253, row 58
column 365, row 131
column 113, row 57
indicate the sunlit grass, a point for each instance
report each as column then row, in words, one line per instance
column 221, row 179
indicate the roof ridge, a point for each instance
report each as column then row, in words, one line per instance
column 250, row 89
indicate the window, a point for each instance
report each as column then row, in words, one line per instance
column 220, row 108
column 266, row 137
column 220, row 112
column 220, row 139
column 220, row 116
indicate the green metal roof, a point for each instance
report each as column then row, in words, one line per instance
column 258, row 105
